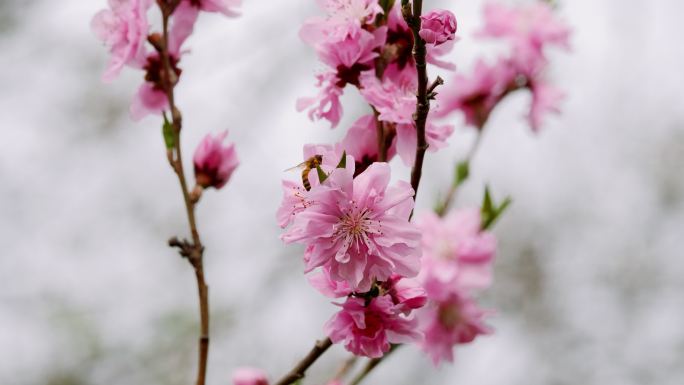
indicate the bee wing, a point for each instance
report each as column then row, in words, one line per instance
column 299, row 166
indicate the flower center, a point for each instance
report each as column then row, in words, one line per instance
column 354, row 227
column 449, row 315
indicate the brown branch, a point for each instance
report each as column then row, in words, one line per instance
column 192, row 251
column 372, row 363
column 298, row 372
column 422, row 97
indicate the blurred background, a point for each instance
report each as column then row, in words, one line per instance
column 589, row 277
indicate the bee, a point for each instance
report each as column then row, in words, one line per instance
column 306, row 167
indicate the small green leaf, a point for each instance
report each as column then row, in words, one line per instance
column 167, row 132
column 386, row 6
column 343, row 161
column 322, row 176
column 490, row 210
column 462, row 172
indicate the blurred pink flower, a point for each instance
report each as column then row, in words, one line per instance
column 148, row 100
column 529, row 28
column 451, row 318
column 456, row 251
column 225, row 7
column 368, row 327
column 476, row 95
column 249, row 376
column 438, row 26
column 214, row 162
column 358, row 227
column 123, row 28
column 545, row 99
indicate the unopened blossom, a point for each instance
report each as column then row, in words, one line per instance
column 226, row 7
column 456, row 251
column 399, row 44
column 367, row 328
column 451, row 318
column 437, row 27
column 123, row 28
column 358, row 228
column 214, row 161
column 249, row 376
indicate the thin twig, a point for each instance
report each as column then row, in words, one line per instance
column 193, row 251
column 298, row 372
column 372, row 364
column 444, row 207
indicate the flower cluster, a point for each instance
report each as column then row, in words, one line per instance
column 368, row 47
column 125, row 30
column 457, row 259
column 527, row 30
column 360, row 242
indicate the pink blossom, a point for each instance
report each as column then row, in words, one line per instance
column 342, row 16
column 456, row 251
column 148, row 100
column 476, row 95
column 151, row 96
column 326, row 105
column 438, row 26
column 529, row 28
column 394, row 99
column 214, row 162
column 358, row 227
column 545, row 99
column 295, row 196
column 225, row 7
column 450, row 319
column 369, row 329
column 436, row 136
column 249, row 376
column 123, row 28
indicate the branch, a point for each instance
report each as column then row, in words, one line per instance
column 193, row 251
column 298, row 372
column 423, row 101
column 372, row 363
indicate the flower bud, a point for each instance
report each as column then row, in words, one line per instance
column 438, row 26
column 214, row 162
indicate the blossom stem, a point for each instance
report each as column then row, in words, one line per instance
column 423, row 102
column 193, row 251
column 298, row 372
column 444, row 207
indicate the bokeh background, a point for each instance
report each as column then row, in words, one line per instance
column 590, row 274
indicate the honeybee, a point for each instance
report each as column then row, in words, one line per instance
column 306, row 167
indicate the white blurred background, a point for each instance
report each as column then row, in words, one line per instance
column 590, row 274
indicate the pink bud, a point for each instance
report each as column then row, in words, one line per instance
column 214, row 162
column 438, row 26
column 249, row 376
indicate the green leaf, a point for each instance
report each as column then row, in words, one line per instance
column 322, row 176
column 490, row 210
column 167, row 132
column 462, row 172
column 343, row 161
